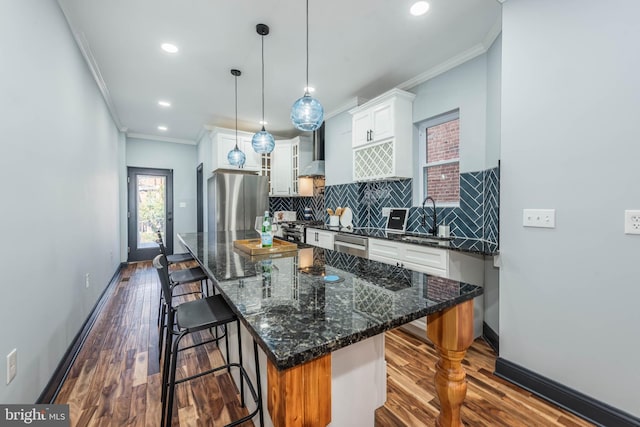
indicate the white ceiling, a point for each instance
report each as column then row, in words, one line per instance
column 357, row 48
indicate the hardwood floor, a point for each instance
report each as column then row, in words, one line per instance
column 115, row 380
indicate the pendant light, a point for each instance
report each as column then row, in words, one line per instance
column 307, row 113
column 236, row 157
column 263, row 142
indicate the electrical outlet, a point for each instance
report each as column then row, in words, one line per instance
column 86, row 280
column 544, row 218
column 386, row 211
column 631, row 222
column 12, row 365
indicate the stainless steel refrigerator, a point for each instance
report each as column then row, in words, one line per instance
column 235, row 199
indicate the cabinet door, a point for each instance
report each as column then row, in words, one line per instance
column 325, row 239
column 281, row 169
column 384, row 251
column 382, row 121
column 310, row 238
column 225, row 144
column 361, row 127
column 253, row 161
column 426, row 259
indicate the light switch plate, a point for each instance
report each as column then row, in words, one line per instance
column 385, row 212
column 631, row 222
column 12, row 365
column 543, row 218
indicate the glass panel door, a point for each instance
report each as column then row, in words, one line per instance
column 150, row 211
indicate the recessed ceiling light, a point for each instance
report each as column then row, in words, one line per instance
column 264, row 122
column 419, row 8
column 309, row 89
column 164, row 103
column 163, row 128
column 169, row 47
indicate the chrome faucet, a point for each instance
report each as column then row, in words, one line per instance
column 424, row 215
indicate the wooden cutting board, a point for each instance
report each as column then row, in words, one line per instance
column 252, row 246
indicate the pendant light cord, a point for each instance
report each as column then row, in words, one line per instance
column 236, row 112
column 306, row 90
column 262, row 82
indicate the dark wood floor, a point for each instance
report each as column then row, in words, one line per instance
column 115, row 380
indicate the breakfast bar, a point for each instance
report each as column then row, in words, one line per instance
column 313, row 311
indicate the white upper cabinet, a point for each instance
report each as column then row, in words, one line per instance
column 382, row 137
column 287, row 160
column 282, row 169
column 224, row 140
column 374, row 124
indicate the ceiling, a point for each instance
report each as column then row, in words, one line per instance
column 357, row 49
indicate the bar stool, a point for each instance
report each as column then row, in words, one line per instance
column 175, row 258
column 178, row 278
column 194, row 316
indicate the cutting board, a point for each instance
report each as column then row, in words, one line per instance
column 252, row 246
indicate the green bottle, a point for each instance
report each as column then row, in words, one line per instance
column 266, row 238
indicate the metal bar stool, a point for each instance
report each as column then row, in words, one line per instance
column 177, row 278
column 194, row 316
column 175, row 258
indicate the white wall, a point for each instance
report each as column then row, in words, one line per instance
column 570, row 100
column 182, row 158
column 338, row 154
column 59, row 176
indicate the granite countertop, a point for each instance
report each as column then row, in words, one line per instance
column 462, row 244
column 296, row 315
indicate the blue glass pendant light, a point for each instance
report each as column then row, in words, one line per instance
column 307, row 113
column 263, row 142
column 236, row 157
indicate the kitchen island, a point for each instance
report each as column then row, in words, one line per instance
column 309, row 309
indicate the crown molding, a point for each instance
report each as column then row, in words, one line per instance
column 161, row 138
column 493, row 34
column 354, row 102
column 459, row 59
column 87, row 54
column 443, row 67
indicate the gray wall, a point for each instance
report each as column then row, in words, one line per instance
column 570, row 100
column 204, row 157
column 59, row 172
column 182, row 158
column 463, row 87
column 494, row 84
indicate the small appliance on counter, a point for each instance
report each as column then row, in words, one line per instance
column 294, row 231
column 397, row 221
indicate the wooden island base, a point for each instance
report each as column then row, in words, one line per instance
column 451, row 331
column 301, row 396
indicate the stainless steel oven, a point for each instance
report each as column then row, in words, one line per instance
column 351, row 244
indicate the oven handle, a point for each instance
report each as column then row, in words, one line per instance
column 350, row 245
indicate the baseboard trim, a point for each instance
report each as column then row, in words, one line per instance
column 573, row 401
column 52, row 388
column 491, row 337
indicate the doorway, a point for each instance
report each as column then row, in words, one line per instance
column 199, row 197
column 150, row 208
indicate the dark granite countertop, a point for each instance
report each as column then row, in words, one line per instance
column 461, row 244
column 295, row 315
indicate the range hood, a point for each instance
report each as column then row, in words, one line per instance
column 316, row 167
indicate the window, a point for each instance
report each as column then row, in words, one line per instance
column 440, row 158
